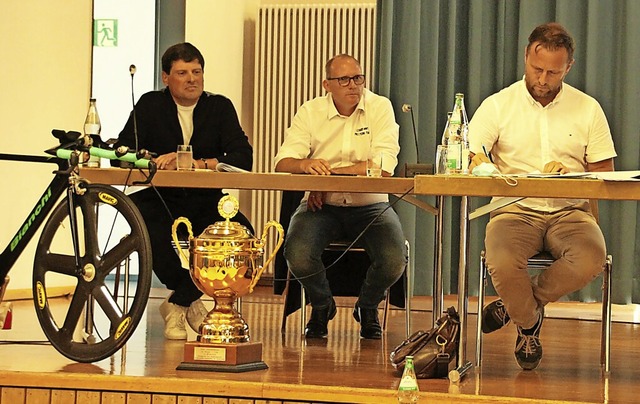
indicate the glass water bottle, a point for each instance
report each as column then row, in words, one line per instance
column 408, row 388
column 92, row 129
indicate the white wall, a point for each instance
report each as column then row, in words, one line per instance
column 45, row 84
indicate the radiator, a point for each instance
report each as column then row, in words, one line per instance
column 293, row 42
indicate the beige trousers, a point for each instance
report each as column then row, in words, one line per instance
column 515, row 234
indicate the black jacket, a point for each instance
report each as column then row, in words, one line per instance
column 216, row 130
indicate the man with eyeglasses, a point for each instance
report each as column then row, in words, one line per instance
column 334, row 135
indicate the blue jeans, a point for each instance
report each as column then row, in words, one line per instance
column 311, row 232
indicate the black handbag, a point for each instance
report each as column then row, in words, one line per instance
column 433, row 351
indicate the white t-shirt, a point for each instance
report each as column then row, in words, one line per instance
column 522, row 135
column 318, row 131
column 185, row 116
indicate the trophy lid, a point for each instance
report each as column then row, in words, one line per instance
column 227, row 230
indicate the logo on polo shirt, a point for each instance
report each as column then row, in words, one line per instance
column 362, row 131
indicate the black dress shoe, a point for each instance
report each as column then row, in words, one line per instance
column 369, row 324
column 317, row 325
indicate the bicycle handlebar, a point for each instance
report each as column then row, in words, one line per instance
column 73, row 143
column 108, row 154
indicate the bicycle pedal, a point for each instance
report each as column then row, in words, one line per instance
column 6, row 316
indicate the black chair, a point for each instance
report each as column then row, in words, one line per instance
column 345, row 277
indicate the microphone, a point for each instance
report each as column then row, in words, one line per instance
column 411, row 170
column 407, row 108
column 132, row 71
column 122, row 150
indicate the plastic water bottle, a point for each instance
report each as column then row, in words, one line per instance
column 92, row 129
column 408, row 388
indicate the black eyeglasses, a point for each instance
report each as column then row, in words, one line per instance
column 358, row 79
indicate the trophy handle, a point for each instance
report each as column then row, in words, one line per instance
column 174, row 235
column 280, row 230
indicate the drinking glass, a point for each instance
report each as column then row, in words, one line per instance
column 184, row 161
column 374, row 165
column 442, row 163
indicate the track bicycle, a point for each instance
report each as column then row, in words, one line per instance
column 94, row 239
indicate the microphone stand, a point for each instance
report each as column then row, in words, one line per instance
column 413, row 169
column 132, row 71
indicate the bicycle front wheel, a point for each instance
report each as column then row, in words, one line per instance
column 105, row 292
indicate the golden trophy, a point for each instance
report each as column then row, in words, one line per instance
column 225, row 262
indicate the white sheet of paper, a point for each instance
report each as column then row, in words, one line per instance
column 618, row 175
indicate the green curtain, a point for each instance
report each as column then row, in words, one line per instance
column 431, row 49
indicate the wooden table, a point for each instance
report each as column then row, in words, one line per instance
column 264, row 181
column 527, row 187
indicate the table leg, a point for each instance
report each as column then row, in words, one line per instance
column 438, row 295
column 463, row 293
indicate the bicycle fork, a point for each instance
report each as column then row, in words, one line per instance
column 84, row 329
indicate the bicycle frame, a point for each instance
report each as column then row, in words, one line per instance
column 38, row 214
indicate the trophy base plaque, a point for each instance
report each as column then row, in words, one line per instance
column 233, row 358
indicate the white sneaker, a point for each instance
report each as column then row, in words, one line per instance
column 196, row 314
column 173, row 316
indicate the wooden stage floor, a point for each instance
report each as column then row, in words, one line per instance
column 342, row 368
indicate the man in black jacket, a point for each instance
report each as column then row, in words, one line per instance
column 183, row 113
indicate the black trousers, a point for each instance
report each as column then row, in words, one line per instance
column 200, row 206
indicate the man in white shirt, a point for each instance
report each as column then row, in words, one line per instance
column 334, row 135
column 541, row 124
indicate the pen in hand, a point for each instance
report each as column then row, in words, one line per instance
column 487, row 154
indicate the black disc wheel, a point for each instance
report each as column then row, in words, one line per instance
column 101, row 296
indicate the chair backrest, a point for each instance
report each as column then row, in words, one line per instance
column 290, row 202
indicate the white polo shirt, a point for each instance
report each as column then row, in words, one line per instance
column 318, row 131
column 522, row 135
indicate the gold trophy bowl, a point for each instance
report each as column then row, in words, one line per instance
column 225, row 262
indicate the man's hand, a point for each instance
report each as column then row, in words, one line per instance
column 478, row 159
column 555, row 167
column 315, row 167
column 167, row 161
column 315, row 200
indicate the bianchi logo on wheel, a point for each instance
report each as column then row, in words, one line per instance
column 122, row 327
column 107, row 198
